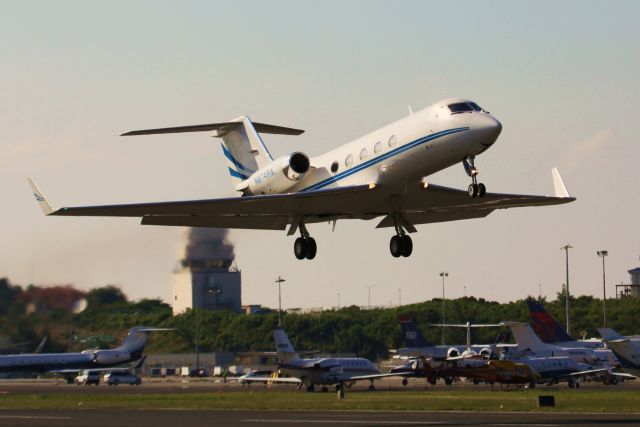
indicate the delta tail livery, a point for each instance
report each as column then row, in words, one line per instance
column 381, row 175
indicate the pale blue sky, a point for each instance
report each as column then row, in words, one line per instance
column 563, row 77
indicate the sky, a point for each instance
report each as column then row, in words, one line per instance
column 562, row 77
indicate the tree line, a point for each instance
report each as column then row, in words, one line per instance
column 367, row 333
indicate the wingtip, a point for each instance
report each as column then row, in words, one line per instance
column 44, row 205
column 559, row 189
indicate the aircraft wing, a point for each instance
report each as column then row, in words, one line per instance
column 377, row 376
column 421, row 203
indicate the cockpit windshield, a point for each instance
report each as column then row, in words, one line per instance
column 464, row 107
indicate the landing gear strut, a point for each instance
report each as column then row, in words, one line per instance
column 305, row 246
column 475, row 189
column 400, row 244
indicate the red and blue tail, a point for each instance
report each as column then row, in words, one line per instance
column 545, row 326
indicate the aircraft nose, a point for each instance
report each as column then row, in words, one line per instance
column 487, row 131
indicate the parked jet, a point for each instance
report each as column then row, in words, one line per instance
column 626, row 349
column 549, row 330
column 336, row 371
column 529, row 344
column 380, row 175
column 476, row 368
column 129, row 351
column 417, row 345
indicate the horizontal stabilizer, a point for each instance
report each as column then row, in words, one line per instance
column 221, row 127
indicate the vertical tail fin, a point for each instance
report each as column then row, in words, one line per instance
column 136, row 339
column 525, row 337
column 243, row 148
column 609, row 334
column 545, row 326
column 285, row 350
column 412, row 336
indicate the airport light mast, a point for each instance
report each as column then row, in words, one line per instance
column 279, row 281
column 443, row 274
column 602, row 254
column 369, row 287
column 566, row 296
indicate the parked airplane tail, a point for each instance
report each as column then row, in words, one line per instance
column 545, row 326
column 241, row 143
column 609, row 334
column 285, row 350
column 136, row 339
column 525, row 337
column 412, row 336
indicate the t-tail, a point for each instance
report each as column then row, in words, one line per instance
column 545, row 326
column 412, row 337
column 285, row 350
column 242, row 146
column 136, row 339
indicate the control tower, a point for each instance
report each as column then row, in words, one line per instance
column 207, row 276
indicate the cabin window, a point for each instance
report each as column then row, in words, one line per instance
column 378, row 147
column 363, row 154
column 393, row 141
column 334, row 167
column 348, row 161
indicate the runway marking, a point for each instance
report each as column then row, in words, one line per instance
column 368, row 422
column 32, row 417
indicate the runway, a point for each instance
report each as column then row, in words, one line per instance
column 172, row 418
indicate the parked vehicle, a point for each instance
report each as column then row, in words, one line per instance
column 88, row 378
column 121, row 377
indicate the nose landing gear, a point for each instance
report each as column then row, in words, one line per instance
column 475, row 189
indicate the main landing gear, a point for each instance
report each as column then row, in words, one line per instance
column 305, row 246
column 400, row 244
column 475, row 189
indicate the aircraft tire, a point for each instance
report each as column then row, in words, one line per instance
column 482, row 190
column 312, row 248
column 395, row 246
column 405, row 382
column 300, row 248
column 473, row 190
column 406, row 245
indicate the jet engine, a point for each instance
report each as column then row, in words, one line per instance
column 110, row 357
column 453, row 352
column 486, row 352
column 279, row 176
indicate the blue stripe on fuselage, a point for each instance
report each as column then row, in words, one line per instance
column 384, row 156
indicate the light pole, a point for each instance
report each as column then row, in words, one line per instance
column 566, row 296
column 399, row 297
column 279, row 281
column 338, row 300
column 443, row 274
column 602, row 254
column 369, row 295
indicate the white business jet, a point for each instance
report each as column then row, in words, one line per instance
column 380, row 175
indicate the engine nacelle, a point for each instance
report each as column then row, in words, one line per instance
column 279, row 176
column 453, row 352
column 486, row 352
column 110, row 357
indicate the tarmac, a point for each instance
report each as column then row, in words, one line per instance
column 173, row 418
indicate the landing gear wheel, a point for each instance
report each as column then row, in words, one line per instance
column 406, row 245
column 473, row 190
column 482, row 190
column 300, row 248
column 312, row 248
column 405, row 382
column 395, row 246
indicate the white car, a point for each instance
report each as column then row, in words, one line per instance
column 121, row 377
column 88, row 378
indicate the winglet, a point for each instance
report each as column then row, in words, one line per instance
column 44, row 205
column 559, row 188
